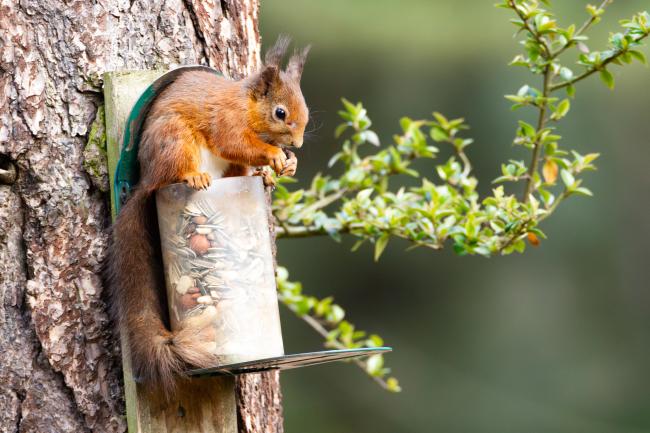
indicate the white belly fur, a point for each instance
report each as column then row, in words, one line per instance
column 212, row 164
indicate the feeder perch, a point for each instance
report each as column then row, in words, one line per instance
column 218, row 260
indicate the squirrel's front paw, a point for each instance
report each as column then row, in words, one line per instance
column 277, row 160
column 197, row 180
column 291, row 165
column 267, row 177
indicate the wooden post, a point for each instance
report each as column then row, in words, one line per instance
column 205, row 405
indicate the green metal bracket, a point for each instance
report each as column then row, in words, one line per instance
column 127, row 172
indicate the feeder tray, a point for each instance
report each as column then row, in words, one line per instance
column 266, row 351
column 287, row 362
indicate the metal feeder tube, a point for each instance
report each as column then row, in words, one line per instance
column 218, row 266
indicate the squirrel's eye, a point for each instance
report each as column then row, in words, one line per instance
column 280, row 113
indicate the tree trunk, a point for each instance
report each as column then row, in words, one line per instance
column 60, row 365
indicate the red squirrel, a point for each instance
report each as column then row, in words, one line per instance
column 201, row 122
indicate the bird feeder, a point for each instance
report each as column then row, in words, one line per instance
column 218, row 261
column 219, row 267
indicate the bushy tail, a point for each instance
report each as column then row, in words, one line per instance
column 138, row 300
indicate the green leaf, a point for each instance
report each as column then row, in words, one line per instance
column 357, row 245
column 571, row 91
column 607, row 78
column 335, row 314
column 380, row 245
column 371, row 137
column 567, row 178
column 442, row 120
column 374, row 365
column 538, row 232
column 561, row 110
column 582, row 47
column 438, row 134
column 349, row 106
column 323, row 306
column 340, row 130
column 393, row 385
column 639, row 56
column 566, row 73
column 364, row 194
column 334, row 158
column 523, row 90
column 375, row 341
column 583, row 191
column 520, row 246
column 594, row 11
column 527, row 129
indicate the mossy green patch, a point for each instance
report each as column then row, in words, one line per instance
column 95, row 158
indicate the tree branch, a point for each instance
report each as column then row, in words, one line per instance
column 541, row 122
column 320, row 329
column 594, row 69
column 540, row 40
column 304, row 231
column 327, row 319
column 592, row 19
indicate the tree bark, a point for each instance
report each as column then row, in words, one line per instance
column 60, row 364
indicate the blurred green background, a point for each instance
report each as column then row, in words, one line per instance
column 555, row 340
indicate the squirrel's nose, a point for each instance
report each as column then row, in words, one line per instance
column 297, row 142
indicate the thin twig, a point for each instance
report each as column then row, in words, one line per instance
column 323, row 202
column 512, row 239
column 537, row 146
column 594, row 69
column 554, row 206
column 540, row 40
column 304, row 231
column 318, row 327
column 592, row 19
column 467, row 165
column 530, row 182
column 582, row 29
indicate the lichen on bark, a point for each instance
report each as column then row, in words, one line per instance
column 95, row 160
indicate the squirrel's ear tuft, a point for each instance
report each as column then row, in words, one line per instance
column 275, row 54
column 297, row 63
column 263, row 81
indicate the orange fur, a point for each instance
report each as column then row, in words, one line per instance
column 235, row 120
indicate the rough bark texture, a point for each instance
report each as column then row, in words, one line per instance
column 259, row 403
column 60, row 365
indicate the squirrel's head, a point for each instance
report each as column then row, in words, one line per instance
column 278, row 110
